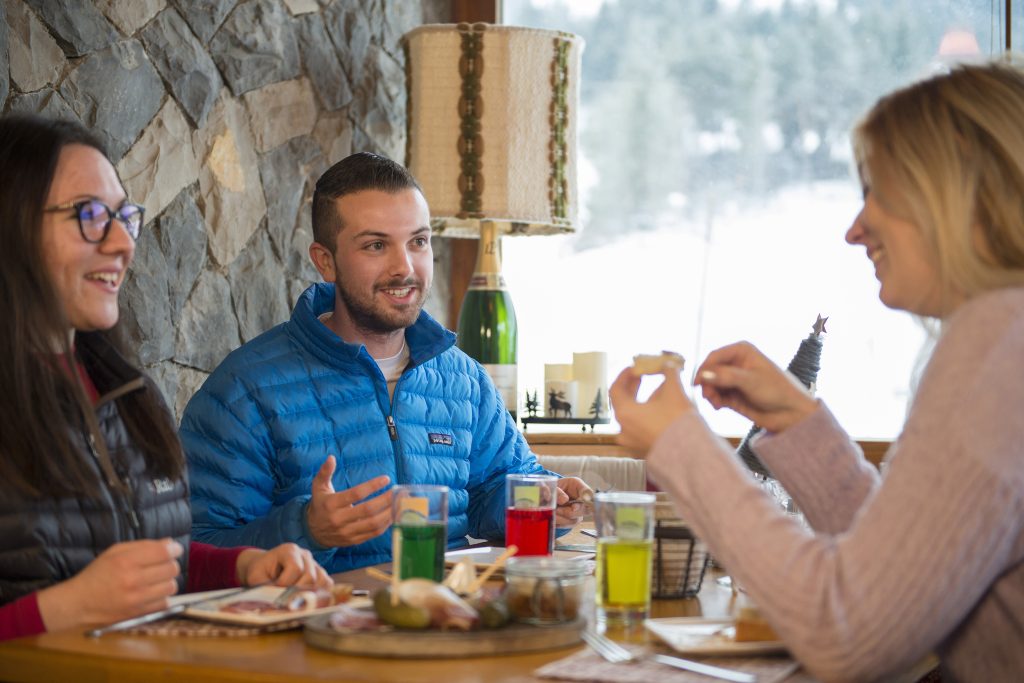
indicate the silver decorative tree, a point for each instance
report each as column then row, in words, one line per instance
column 804, row 366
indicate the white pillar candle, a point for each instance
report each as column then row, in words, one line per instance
column 558, row 372
column 560, row 399
column 590, row 370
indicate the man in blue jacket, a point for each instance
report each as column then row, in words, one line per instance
column 299, row 433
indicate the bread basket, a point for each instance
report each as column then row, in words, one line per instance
column 680, row 559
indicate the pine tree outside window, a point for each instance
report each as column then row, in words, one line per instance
column 717, row 186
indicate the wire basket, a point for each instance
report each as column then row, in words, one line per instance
column 680, row 559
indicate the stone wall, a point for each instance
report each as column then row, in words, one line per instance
column 219, row 116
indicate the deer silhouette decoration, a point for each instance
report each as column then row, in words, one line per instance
column 556, row 404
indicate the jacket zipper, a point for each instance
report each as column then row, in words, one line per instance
column 396, row 444
column 127, row 496
column 129, row 499
column 115, row 477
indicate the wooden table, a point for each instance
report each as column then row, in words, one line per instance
column 70, row 656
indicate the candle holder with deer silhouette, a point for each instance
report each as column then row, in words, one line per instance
column 561, row 407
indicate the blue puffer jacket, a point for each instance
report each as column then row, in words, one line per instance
column 264, row 422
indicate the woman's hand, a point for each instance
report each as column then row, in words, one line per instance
column 643, row 423
column 124, row 581
column 740, row 377
column 285, row 565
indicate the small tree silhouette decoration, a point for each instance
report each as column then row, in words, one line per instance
column 597, row 407
column 531, row 404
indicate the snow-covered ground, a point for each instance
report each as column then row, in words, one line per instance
column 766, row 273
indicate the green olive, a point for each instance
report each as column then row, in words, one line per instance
column 400, row 615
column 494, row 614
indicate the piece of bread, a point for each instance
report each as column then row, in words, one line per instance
column 649, row 364
column 751, row 626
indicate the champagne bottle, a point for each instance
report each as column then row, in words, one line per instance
column 487, row 329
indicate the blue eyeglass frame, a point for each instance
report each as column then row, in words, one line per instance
column 132, row 228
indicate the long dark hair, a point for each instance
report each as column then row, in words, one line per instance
column 41, row 404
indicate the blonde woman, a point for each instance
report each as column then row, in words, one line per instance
column 927, row 556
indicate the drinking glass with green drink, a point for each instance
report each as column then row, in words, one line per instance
column 625, row 539
column 421, row 530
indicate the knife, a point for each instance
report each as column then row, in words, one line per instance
column 706, row 669
column 160, row 614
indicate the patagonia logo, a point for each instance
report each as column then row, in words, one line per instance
column 440, row 439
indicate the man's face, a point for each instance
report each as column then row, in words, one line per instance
column 383, row 263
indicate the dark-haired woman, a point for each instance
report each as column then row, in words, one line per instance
column 94, row 512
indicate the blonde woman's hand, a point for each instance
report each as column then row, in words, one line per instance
column 284, row 565
column 741, row 378
column 124, row 581
column 642, row 423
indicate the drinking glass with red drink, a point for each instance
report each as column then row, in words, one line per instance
column 530, row 501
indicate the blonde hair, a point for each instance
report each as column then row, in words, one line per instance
column 953, row 149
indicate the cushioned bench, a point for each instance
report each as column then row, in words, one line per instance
column 601, row 473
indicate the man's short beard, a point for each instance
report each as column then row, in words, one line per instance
column 368, row 317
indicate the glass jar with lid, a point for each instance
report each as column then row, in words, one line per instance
column 545, row 590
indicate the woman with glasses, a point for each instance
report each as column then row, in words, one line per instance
column 928, row 555
column 94, row 511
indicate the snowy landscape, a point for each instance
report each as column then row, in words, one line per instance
column 766, row 273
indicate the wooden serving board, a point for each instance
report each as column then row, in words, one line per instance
column 387, row 641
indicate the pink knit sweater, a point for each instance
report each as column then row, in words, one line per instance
column 927, row 557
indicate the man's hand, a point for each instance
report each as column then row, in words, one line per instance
column 339, row 519
column 572, row 494
column 285, row 565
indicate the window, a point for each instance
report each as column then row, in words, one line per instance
column 717, row 186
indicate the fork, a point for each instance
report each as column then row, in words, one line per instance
column 281, row 601
column 615, row 653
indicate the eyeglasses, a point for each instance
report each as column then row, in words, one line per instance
column 95, row 218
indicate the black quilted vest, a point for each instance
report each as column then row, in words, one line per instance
column 48, row 540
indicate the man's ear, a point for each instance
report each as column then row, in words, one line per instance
column 323, row 259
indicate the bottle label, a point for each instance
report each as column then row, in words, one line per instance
column 488, row 281
column 505, row 378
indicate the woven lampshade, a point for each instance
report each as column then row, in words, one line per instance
column 492, row 117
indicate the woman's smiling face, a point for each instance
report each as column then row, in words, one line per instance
column 905, row 264
column 85, row 276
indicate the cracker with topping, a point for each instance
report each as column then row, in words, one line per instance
column 651, row 364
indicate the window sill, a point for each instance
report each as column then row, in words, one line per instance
column 547, row 443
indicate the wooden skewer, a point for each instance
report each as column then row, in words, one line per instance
column 396, row 565
column 480, row 580
column 375, row 573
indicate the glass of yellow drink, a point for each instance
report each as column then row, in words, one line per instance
column 625, row 529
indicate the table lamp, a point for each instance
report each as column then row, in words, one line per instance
column 491, row 137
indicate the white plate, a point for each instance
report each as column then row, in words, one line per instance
column 699, row 636
column 195, row 597
column 211, row 611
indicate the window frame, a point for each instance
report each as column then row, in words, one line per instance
column 464, row 251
